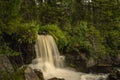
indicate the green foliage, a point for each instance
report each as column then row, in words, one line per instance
column 17, row 75
column 85, row 39
column 55, row 31
column 76, row 37
column 78, row 26
column 96, row 41
column 106, row 20
column 28, row 10
column 113, row 42
column 5, row 75
column 9, row 15
column 26, row 33
column 52, row 12
column 5, row 49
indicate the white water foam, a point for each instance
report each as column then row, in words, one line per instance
column 49, row 61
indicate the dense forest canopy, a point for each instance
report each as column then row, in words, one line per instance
column 87, row 27
column 79, row 26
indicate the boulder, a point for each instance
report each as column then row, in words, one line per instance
column 80, row 62
column 39, row 74
column 6, row 67
column 29, row 74
column 5, row 64
column 76, row 61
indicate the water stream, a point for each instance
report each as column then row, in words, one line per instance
column 51, row 63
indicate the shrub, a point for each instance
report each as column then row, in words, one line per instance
column 26, row 33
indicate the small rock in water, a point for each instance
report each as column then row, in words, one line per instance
column 30, row 74
column 56, row 78
column 39, row 74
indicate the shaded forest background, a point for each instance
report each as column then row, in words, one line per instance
column 78, row 26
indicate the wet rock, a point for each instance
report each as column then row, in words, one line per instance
column 115, row 75
column 39, row 74
column 43, row 32
column 28, row 51
column 29, row 74
column 5, row 64
column 76, row 61
column 5, row 67
column 116, row 60
column 56, row 78
column 90, row 63
column 80, row 62
column 100, row 69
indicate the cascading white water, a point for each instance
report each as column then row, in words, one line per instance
column 49, row 61
column 47, row 50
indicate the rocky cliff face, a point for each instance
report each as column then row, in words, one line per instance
column 31, row 74
column 6, row 67
column 83, row 63
column 5, row 64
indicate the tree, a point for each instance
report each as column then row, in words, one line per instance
column 106, row 20
column 9, row 15
column 28, row 11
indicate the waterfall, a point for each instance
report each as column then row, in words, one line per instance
column 51, row 63
column 47, row 50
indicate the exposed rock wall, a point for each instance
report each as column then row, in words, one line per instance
column 5, row 64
